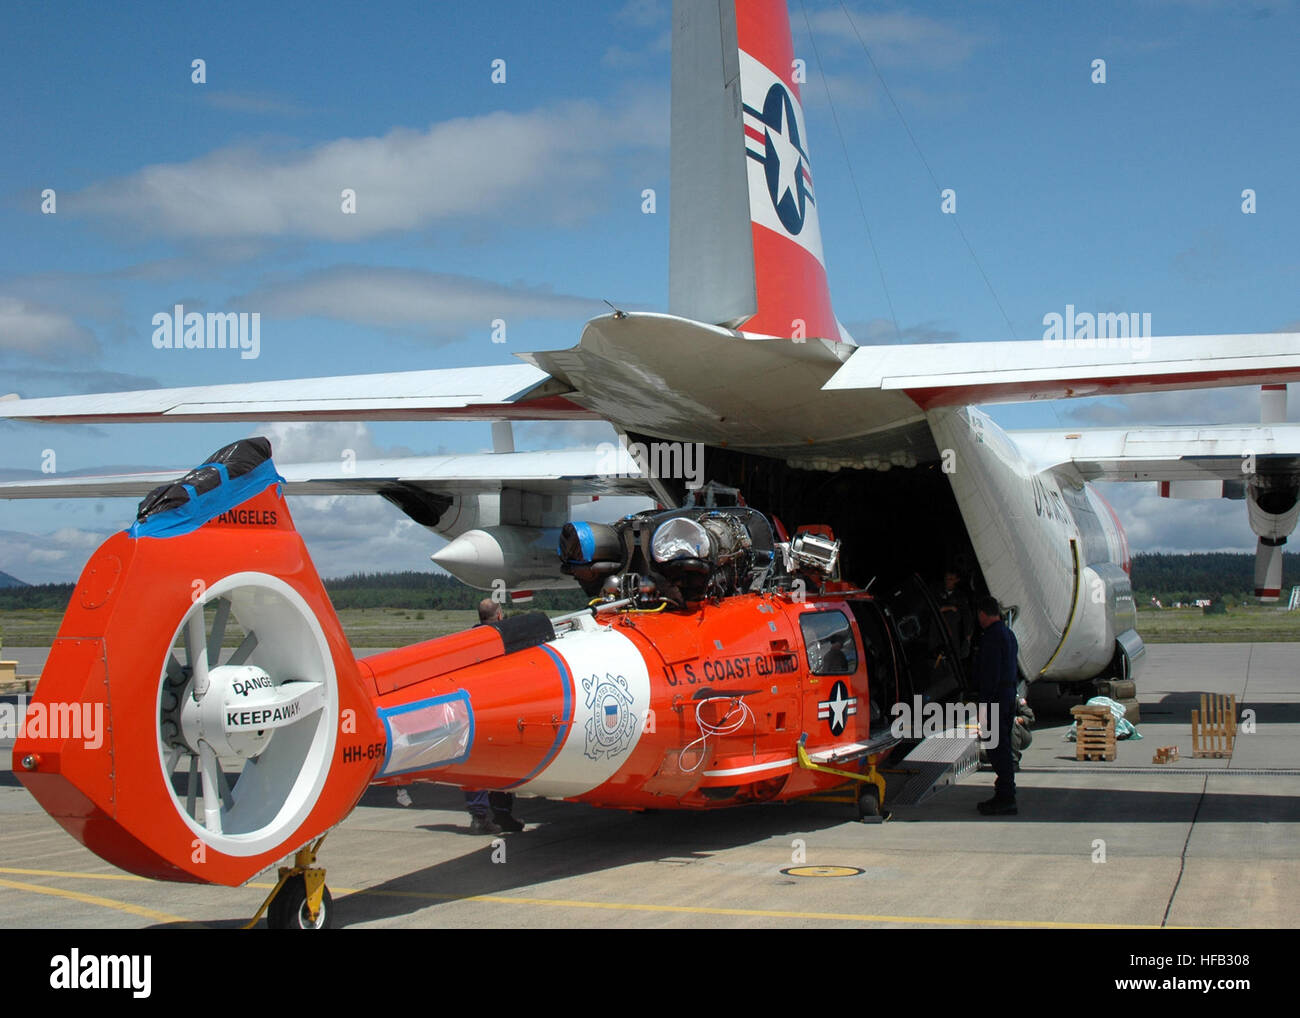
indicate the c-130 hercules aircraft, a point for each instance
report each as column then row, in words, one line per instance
column 762, row 674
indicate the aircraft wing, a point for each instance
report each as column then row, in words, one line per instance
column 600, row 471
column 955, row 374
column 501, row 392
column 1169, row 454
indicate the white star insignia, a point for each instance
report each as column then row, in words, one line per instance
column 789, row 162
column 838, row 706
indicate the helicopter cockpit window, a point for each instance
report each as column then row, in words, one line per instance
column 829, row 643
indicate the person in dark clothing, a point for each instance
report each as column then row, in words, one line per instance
column 490, row 812
column 835, row 661
column 995, row 674
column 955, row 607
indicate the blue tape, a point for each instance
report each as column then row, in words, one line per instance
column 185, row 519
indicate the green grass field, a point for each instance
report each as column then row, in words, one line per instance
column 1254, row 624
column 396, row 627
column 365, row 627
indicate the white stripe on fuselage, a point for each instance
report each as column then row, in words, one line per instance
column 609, row 698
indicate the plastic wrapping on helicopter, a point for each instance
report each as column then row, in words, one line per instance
column 228, row 477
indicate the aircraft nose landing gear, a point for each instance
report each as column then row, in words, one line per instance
column 300, row 900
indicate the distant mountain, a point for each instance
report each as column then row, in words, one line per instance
column 11, row 581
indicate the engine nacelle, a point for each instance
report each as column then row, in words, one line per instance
column 506, row 557
column 1273, row 505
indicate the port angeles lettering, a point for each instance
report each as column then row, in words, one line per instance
column 182, row 330
column 249, row 517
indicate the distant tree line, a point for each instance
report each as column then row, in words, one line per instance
column 1216, row 575
column 430, row 591
column 44, row 595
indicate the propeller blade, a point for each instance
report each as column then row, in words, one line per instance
column 197, row 649
column 1268, row 568
column 245, row 648
column 218, row 633
column 211, row 794
column 192, row 786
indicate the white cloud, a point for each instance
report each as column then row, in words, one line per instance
column 323, row 441
column 898, row 38
column 56, row 557
column 1153, row 523
column 61, row 382
column 541, row 163
column 538, row 435
column 437, row 303
column 33, row 329
column 1236, row 405
column 348, row 534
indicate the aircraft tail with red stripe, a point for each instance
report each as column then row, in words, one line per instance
column 746, row 248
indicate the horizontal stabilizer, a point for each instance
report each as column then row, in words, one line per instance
column 604, row 470
column 956, row 374
column 1227, row 452
column 507, row 391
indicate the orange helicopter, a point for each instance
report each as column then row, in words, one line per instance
column 751, row 674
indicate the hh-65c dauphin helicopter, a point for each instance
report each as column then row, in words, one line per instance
column 754, row 674
column 747, row 685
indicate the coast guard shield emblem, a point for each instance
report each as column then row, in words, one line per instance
column 612, row 723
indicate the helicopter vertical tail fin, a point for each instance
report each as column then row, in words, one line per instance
column 201, row 715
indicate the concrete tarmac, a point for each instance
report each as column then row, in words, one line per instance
column 1200, row 843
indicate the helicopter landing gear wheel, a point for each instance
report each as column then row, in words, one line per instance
column 871, row 793
column 300, row 900
column 869, row 804
column 289, row 909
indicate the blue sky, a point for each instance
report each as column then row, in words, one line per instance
column 522, row 200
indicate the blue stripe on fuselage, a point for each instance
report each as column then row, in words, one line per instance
column 566, row 682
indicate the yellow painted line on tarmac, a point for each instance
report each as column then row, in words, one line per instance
column 608, row 906
column 94, row 899
column 14, row 871
column 755, row 912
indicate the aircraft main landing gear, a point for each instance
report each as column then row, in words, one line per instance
column 300, row 900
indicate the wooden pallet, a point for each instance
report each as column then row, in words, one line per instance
column 1094, row 733
column 1214, row 726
